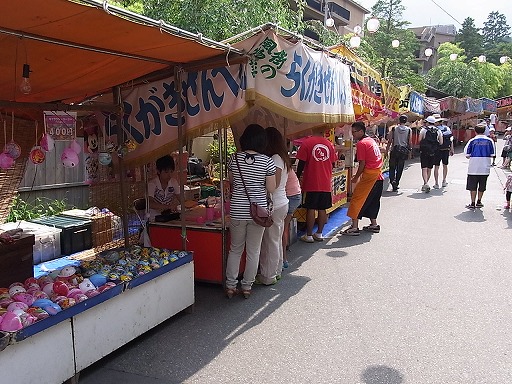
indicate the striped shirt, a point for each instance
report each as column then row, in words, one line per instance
column 479, row 151
column 255, row 168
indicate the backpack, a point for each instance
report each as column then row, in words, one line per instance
column 447, row 136
column 429, row 144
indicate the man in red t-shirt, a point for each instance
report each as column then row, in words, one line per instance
column 365, row 201
column 316, row 158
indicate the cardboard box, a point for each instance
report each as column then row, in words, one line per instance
column 16, row 260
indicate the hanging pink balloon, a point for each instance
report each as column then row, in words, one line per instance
column 69, row 158
column 75, row 147
column 47, row 142
column 37, row 155
column 6, row 161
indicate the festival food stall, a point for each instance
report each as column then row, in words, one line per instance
column 72, row 53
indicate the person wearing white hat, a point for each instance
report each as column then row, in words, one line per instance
column 430, row 139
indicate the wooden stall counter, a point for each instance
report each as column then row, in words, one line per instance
column 206, row 237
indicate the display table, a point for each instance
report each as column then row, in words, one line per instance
column 56, row 349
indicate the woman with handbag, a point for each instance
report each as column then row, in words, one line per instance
column 271, row 254
column 252, row 176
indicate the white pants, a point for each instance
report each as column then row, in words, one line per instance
column 271, row 255
column 244, row 234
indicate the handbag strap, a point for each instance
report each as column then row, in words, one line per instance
column 270, row 203
column 242, row 178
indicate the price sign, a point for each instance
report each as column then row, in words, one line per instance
column 60, row 125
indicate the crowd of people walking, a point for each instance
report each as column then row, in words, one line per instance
column 262, row 174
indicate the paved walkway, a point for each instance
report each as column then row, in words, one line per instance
column 427, row 300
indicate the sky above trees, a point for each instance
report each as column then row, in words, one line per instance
column 425, row 12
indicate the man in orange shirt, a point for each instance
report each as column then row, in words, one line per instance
column 316, row 157
column 365, row 200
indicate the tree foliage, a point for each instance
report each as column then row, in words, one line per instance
column 220, row 19
column 462, row 79
column 495, row 29
column 470, row 39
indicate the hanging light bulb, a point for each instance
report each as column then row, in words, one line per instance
column 355, row 42
column 25, row 86
column 329, row 22
column 453, row 56
column 395, row 43
column 482, row 59
column 428, row 52
column 373, row 25
column 358, row 29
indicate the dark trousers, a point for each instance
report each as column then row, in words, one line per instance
column 396, row 167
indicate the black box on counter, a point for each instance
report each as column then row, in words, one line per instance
column 76, row 233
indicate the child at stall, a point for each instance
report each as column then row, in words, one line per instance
column 508, row 191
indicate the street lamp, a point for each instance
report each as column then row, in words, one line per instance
column 504, row 59
column 373, row 24
column 395, row 43
column 328, row 20
column 355, row 41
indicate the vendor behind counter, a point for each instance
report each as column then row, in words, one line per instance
column 163, row 190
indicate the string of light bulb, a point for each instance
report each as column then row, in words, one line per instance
column 372, row 26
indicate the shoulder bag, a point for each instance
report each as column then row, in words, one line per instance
column 261, row 216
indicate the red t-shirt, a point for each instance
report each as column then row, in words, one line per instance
column 369, row 152
column 319, row 155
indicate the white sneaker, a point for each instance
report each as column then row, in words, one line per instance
column 435, row 186
column 445, row 184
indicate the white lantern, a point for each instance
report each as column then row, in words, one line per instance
column 428, row 52
column 358, row 29
column 503, row 59
column 373, row 25
column 395, row 43
column 355, row 42
column 329, row 22
column 482, row 59
column 453, row 56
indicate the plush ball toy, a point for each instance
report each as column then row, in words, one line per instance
column 86, row 286
column 69, row 158
column 13, row 149
column 10, row 322
column 14, row 289
column 47, row 142
column 24, row 298
column 37, row 155
column 104, row 158
column 61, row 288
column 6, row 161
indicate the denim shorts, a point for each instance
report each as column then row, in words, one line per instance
column 293, row 203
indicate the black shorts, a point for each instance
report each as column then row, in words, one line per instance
column 476, row 182
column 442, row 156
column 427, row 161
column 317, row 200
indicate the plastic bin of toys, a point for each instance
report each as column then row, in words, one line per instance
column 36, row 304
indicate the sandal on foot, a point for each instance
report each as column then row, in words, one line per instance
column 318, row 237
column 372, row 228
column 246, row 293
column 351, row 232
column 230, row 292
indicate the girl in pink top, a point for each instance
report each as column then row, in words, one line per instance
column 294, row 195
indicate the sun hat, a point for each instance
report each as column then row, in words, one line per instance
column 431, row 119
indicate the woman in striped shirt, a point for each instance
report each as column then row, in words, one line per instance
column 258, row 172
